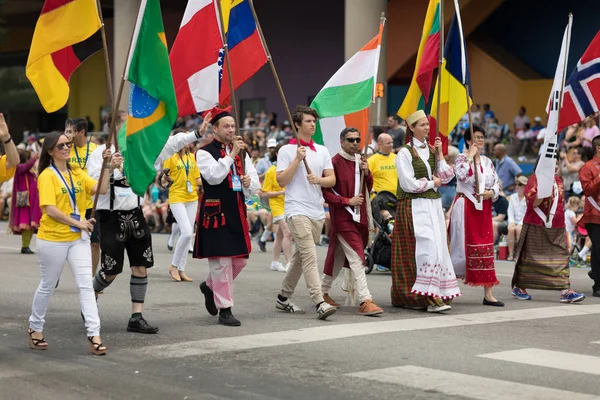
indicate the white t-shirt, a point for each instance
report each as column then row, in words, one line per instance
column 569, row 224
column 302, row 198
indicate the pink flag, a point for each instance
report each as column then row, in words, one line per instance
column 196, row 62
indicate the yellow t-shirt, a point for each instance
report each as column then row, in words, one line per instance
column 383, row 168
column 52, row 192
column 4, row 173
column 78, row 161
column 178, row 192
column 270, row 185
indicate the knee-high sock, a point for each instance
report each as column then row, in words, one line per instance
column 100, row 283
column 138, row 286
column 26, row 238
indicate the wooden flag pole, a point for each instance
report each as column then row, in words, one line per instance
column 476, row 170
column 112, row 135
column 439, row 77
column 276, row 77
column 105, row 47
column 365, row 147
column 231, row 88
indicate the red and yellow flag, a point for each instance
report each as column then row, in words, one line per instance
column 427, row 60
column 66, row 34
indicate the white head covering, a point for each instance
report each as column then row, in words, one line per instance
column 414, row 117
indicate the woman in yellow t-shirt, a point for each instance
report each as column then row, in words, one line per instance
column 283, row 236
column 63, row 235
column 183, row 201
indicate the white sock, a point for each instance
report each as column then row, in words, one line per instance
column 265, row 235
column 584, row 252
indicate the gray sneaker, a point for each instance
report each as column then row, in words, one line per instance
column 288, row 306
column 325, row 310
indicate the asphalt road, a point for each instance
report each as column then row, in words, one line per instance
column 538, row 349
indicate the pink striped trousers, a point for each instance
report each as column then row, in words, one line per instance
column 221, row 275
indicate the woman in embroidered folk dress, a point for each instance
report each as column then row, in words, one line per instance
column 542, row 260
column 471, row 227
column 422, row 272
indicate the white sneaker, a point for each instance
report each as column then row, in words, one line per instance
column 325, row 310
column 436, row 309
column 288, row 306
column 277, row 266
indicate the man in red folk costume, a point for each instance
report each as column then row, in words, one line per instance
column 350, row 216
column 222, row 232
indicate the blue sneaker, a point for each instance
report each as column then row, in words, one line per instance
column 571, row 296
column 381, row 268
column 521, row 294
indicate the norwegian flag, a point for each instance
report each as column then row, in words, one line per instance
column 582, row 92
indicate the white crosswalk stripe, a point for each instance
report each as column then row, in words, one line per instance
column 550, row 359
column 327, row 332
column 464, row 385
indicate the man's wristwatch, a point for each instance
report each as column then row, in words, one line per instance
column 8, row 141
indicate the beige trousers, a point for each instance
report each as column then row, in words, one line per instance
column 306, row 234
column 344, row 251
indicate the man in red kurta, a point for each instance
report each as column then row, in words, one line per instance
column 589, row 175
column 349, row 220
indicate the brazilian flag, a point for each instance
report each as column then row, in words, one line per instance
column 152, row 102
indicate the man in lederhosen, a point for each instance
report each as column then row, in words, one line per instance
column 123, row 227
column 222, row 234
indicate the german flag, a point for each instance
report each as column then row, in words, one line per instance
column 66, row 34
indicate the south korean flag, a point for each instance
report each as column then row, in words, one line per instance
column 548, row 154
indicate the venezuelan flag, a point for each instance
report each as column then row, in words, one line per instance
column 152, row 103
column 246, row 52
column 66, row 34
column 427, row 60
column 455, row 80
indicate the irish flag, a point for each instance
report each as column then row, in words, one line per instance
column 345, row 99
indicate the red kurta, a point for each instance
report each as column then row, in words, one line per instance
column 589, row 175
column 356, row 234
column 531, row 217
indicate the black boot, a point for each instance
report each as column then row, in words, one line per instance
column 26, row 250
column 226, row 318
column 138, row 324
column 209, row 299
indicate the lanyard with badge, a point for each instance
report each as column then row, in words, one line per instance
column 186, row 165
column 87, row 153
column 236, row 183
column 72, row 196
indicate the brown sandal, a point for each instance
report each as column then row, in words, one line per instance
column 36, row 344
column 97, row 349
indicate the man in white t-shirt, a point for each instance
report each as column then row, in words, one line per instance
column 304, row 211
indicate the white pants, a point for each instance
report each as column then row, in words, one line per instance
column 52, row 256
column 185, row 214
column 344, row 251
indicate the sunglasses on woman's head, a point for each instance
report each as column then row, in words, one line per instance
column 353, row 140
column 61, row 146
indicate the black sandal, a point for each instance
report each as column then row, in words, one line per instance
column 96, row 349
column 36, row 344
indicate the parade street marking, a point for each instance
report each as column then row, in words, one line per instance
column 331, row 332
column 463, row 385
column 550, row 359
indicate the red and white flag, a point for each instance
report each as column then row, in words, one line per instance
column 196, row 58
